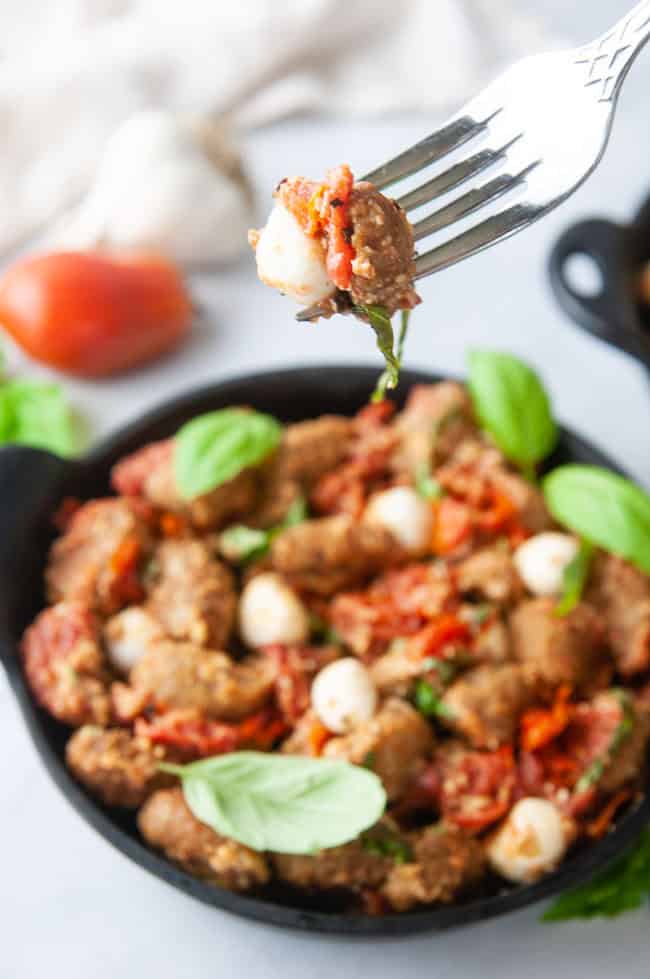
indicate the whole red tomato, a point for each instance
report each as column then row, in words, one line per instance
column 91, row 314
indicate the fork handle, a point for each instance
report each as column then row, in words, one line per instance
column 607, row 59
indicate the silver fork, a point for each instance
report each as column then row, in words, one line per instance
column 543, row 127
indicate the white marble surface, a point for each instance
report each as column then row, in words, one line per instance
column 69, row 904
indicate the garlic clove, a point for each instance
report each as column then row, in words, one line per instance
column 157, row 189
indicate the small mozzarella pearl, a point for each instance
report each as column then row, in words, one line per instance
column 343, row 695
column 542, row 559
column 127, row 636
column 269, row 611
column 405, row 514
column 531, row 842
column 291, row 261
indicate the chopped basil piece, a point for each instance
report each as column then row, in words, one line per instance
column 481, row 613
column 426, row 485
column 574, row 578
column 595, row 771
column 428, row 702
column 393, row 847
column 297, row 513
column 324, row 631
column 240, row 544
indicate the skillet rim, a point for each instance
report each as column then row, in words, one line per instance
column 571, row 872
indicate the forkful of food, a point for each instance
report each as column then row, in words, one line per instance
column 517, row 150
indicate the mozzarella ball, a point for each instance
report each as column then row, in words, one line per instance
column 406, row 515
column 128, row 635
column 269, row 611
column 343, row 695
column 531, row 841
column 289, row 260
column 542, row 559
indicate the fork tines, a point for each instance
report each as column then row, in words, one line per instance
column 428, row 150
column 508, row 173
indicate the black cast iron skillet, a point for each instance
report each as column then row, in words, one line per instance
column 31, row 485
column 613, row 314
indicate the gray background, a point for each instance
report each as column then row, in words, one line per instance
column 69, row 904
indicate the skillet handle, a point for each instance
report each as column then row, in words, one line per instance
column 611, row 314
column 30, row 485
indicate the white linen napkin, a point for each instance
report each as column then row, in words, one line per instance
column 72, row 70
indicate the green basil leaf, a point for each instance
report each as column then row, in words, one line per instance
column 428, row 702
column 574, row 578
column 403, row 330
column 624, row 886
column 512, row 406
column 602, row 507
column 426, row 485
column 37, row 414
column 283, row 803
column 213, row 448
column 385, row 378
column 380, row 322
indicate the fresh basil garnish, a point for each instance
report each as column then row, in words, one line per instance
column 283, row 803
column 240, row 543
column 602, row 507
column 428, row 702
column 512, row 405
column 625, row 886
column 381, row 323
column 574, row 578
column 37, row 414
column 213, row 448
column 387, row 845
column 427, row 486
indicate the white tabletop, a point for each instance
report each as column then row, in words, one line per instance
column 72, row 906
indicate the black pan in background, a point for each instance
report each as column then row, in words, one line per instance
column 31, row 485
column 614, row 313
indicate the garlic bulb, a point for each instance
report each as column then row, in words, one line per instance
column 168, row 186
